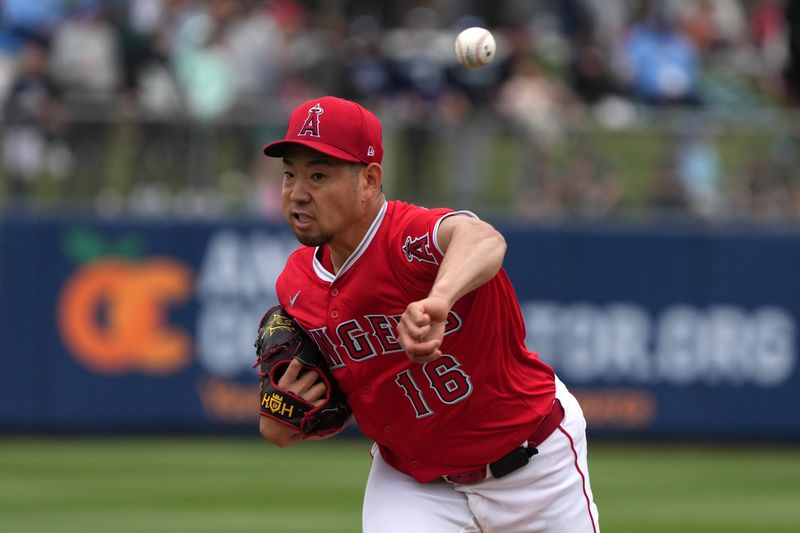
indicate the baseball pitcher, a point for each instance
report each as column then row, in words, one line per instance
column 416, row 332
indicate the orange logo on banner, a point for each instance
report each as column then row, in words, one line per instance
column 112, row 314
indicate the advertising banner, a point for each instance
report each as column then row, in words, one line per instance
column 131, row 326
column 143, row 325
column 689, row 333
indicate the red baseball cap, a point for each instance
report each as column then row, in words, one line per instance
column 336, row 127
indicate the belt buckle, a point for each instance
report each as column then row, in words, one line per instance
column 475, row 476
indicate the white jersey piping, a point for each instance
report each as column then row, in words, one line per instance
column 325, row 275
column 436, row 227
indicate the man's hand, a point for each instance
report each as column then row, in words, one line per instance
column 421, row 328
column 307, row 385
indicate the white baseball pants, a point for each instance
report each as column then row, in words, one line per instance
column 551, row 494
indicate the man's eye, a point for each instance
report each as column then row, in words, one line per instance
column 316, row 176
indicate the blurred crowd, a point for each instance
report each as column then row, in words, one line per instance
column 677, row 69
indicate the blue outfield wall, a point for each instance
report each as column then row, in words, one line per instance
column 149, row 326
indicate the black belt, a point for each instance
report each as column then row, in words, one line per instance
column 517, row 458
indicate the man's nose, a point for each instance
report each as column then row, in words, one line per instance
column 299, row 192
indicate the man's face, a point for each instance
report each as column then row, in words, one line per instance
column 321, row 195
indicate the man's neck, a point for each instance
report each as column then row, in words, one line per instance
column 344, row 248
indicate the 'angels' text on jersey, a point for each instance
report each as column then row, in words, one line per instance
column 362, row 339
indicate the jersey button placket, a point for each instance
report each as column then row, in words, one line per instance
column 333, row 292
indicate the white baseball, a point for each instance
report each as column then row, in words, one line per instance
column 475, row 47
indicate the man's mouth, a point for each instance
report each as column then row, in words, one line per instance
column 302, row 220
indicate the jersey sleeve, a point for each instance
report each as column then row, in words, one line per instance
column 418, row 252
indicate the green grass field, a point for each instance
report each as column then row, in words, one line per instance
column 241, row 484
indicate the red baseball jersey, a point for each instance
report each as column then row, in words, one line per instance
column 483, row 397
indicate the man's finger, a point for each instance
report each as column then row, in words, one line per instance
column 426, row 358
column 290, row 375
column 416, row 315
column 416, row 333
column 422, row 349
column 304, row 382
column 316, row 393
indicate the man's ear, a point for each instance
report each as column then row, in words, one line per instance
column 373, row 178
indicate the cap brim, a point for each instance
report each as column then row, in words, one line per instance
column 277, row 148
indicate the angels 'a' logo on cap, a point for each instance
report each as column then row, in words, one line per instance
column 370, row 152
column 311, row 125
